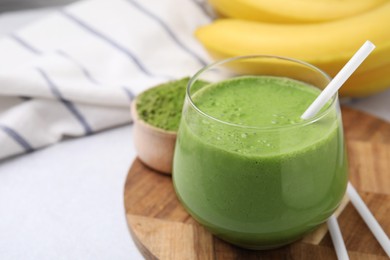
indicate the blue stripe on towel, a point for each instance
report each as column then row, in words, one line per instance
column 69, row 105
column 129, row 93
column 111, row 42
column 17, row 138
column 85, row 71
column 168, row 31
column 202, row 6
column 34, row 50
column 29, row 48
column 88, row 75
column 63, row 54
column 25, row 44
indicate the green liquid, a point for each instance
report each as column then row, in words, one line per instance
column 265, row 185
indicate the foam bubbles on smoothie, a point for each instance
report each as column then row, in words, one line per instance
column 271, row 102
column 282, row 119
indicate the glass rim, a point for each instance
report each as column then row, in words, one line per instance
column 301, row 123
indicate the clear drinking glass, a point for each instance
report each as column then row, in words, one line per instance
column 262, row 185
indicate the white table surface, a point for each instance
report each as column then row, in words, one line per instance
column 66, row 201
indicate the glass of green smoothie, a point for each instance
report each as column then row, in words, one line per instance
column 246, row 166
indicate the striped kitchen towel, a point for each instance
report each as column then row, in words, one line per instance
column 75, row 72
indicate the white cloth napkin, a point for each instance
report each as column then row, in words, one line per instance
column 75, row 72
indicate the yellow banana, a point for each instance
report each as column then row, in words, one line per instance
column 367, row 83
column 292, row 11
column 326, row 45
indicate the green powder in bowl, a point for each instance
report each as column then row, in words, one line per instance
column 161, row 106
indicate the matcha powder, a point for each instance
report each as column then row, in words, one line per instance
column 161, row 106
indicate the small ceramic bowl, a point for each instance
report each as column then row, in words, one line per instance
column 154, row 146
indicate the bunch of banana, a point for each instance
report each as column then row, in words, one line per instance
column 326, row 41
column 292, row 11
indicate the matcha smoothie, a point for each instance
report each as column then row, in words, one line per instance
column 250, row 170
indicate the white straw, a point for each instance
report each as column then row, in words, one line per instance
column 370, row 220
column 337, row 238
column 339, row 80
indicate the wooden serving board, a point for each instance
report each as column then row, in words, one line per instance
column 162, row 229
